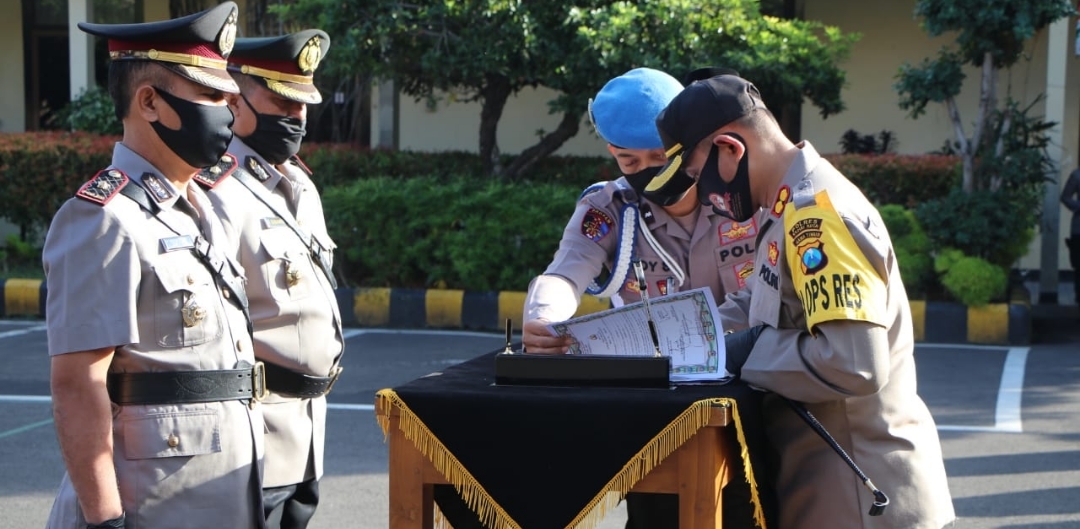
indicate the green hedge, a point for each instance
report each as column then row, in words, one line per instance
column 40, row 170
column 410, row 219
column 903, row 179
column 459, row 232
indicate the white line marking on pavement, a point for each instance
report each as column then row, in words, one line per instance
column 1010, row 391
column 350, row 333
column 355, row 407
column 26, row 399
column 25, row 428
column 16, row 322
column 18, row 332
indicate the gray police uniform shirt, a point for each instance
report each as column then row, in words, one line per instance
column 115, row 280
column 718, row 253
column 859, row 384
column 293, row 307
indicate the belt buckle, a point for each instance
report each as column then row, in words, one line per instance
column 258, row 384
column 333, row 379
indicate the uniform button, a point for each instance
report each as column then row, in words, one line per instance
column 239, row 345
column 173, row 441
column 225, row 292
column 190, row 280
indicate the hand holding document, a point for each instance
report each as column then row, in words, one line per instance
column 687, row 326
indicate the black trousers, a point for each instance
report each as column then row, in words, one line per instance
column 292, row 506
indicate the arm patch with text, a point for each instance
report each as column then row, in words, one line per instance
column 831, row 275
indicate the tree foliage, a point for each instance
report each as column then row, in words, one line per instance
column 990, row 35
column 488, row 50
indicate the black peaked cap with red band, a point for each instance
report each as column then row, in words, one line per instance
column 285, row 65
column 195, row 46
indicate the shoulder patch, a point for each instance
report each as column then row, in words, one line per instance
column 103, row 186
column 211, row 176
column 596, row 224
column 300, row 163
column 256, row 169
column 832, row 277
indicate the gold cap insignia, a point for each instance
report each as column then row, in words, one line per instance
column 310, row 56
column 227, row 38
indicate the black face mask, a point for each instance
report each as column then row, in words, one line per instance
column 732, row 200
column 204, row 133
column 671, row 193
column 276, row 138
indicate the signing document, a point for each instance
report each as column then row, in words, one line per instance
column 687, row 325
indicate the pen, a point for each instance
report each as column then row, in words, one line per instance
column 644, row 288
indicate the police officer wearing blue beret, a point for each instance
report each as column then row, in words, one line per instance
column 271, row 208
column 681, row 245
column 154, row 382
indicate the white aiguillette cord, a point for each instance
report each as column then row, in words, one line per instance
column 644, row 288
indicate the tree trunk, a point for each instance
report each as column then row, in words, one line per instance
column 494, row 95
column 551, row 142
column 987, row 104
column 967, row 152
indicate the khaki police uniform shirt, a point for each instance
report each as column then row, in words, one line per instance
column 718, row 253
column 860, row 384
column 297, row 324
column 114, row 281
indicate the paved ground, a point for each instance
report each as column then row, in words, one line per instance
column 1007, row 416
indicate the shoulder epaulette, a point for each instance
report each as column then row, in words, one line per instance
column 213, row 175
column 301, row 164
column 103, row 186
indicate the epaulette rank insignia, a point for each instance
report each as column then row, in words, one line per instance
column 256, row 168
column 299, row 163
column 213, row 175
column 103, row 186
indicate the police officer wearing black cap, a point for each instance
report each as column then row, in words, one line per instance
column 825, row 319
column 271, row 208
column 154, row 380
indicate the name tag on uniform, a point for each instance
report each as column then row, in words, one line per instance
column 182, row 242
column 272, row 222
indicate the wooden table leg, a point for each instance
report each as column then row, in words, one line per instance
column 703, row 472
column 411, row 500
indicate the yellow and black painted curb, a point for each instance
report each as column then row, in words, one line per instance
column 992, row 324
column 937, row 322
column 22, row 297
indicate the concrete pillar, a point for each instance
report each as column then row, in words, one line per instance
column 384, row 112
column 1061, row 80
column 80, row 46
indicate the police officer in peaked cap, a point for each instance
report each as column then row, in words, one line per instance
column 155, row 385
column 273, row 209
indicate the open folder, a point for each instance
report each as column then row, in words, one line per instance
column 687, row 326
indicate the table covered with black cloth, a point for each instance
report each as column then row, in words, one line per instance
column 545, row 456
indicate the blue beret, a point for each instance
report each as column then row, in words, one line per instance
column 624, row 111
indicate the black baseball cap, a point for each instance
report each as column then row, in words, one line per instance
column 699, row 110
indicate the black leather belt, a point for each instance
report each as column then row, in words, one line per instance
column 292, row 384
column 180, row 387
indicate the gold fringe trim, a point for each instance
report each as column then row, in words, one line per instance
column 478, row 499
column 673, row 436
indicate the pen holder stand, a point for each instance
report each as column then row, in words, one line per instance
column 582, row 370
